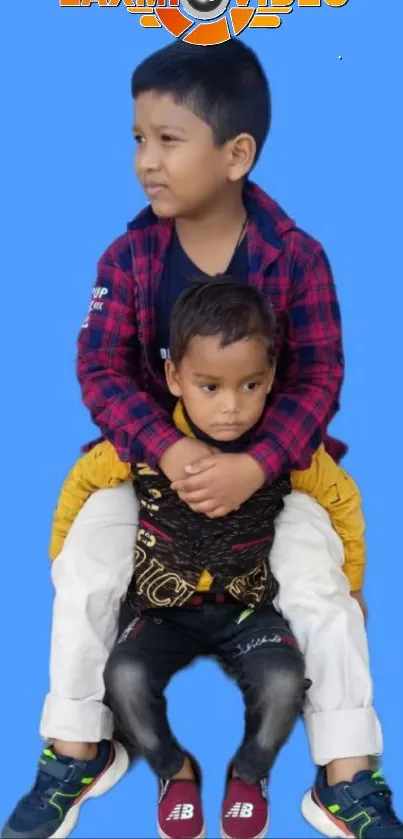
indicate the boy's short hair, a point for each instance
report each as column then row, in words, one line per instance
column 224, row 308
column 224, row 84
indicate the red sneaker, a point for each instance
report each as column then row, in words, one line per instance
column 245, row 810
column 180, row 812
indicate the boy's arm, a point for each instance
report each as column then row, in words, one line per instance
column 336, row 491
column 100, row 468
column 126, row 415
column 296, row 421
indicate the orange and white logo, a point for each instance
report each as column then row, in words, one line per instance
column 206, row 22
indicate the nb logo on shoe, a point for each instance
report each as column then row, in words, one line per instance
column 240, row 811
column 181, row 811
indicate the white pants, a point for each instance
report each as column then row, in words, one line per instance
column 91, row 576
column 314, row 596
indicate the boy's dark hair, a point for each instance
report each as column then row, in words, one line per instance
column 224, row 308
column 225, row 85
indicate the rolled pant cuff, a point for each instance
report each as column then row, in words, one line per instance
column 334, row 735
column 76, row 720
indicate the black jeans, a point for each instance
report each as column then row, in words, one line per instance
column 256, row 648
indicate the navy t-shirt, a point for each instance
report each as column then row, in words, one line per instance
column 178, row 274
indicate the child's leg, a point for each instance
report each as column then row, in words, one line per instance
column 348, row 798
column 262, row 655
column 307, row 560
column 91, row 576
column 146, row 656
column 149, row 652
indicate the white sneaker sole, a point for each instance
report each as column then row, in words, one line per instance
column 261, row 835
column 321, row 820
column 163, row 835
column 105, row 782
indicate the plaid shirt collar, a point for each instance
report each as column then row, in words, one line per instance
column 267, row 224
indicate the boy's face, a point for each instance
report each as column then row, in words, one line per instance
column 177, row 163
column 223, row 389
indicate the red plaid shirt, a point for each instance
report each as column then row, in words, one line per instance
column 125, row 393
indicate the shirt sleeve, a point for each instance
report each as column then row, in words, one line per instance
column 336, row 491
column 100, row 468
column 295, row 422
column 127, row 416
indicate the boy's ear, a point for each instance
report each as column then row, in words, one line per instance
column 242, row 153
column 271, row 378
column 172, row 377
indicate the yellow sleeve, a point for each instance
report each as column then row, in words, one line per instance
column 99, row 468
column 336, row 491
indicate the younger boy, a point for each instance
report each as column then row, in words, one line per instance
column 222, row 369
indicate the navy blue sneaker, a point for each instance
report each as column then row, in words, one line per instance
column 50, row 810
column 362, row 808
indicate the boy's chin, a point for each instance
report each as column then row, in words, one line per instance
column 226, row 435
column 164, row 208
column 161, row 212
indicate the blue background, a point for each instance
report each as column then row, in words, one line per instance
column 67, row 190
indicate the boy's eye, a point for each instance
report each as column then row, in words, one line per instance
column 209, row 388
column 138, row 138
column 168, row 138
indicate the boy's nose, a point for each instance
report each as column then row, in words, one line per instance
column 148, row 160
column 230, row 404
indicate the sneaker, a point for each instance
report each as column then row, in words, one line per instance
column 362, row 808
column 245, row 810
column 51, row 809
column 180, row 811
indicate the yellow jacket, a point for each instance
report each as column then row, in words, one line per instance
column 325, row 481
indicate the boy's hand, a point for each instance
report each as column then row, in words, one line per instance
column 358, row 596
column 219, row 484
column 181, row 454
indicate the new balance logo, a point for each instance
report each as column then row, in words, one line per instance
column 181, row 811
column 240, row 811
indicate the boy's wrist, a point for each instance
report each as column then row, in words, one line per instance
column 271, row 461
column 164, row 437
column 256, row 468
column 180, row 454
